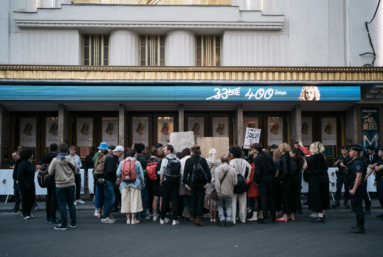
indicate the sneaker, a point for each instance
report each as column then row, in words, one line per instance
column 314, row 215
column 54, row 221
column 73, row 226
column 107, row 221
column 162, row 222
column 47, row 220
column 155, row 217
column 74, row 203
column 128, row 222
column 134, row 222
column 176, row 222
column 207, row 215
column 34, row 207
column 96, row 213
column 27, row 217
column 59, row 227
column 148, row 217
column 80, row 201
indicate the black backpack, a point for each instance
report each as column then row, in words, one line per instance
column 240, row 187
column 173, row 170
column 293, row 167
column 43, row 177
column 199, row 175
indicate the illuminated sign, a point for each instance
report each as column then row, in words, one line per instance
column 179, row 93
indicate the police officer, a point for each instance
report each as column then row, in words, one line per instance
column 340, row 180
column 378, row 169
column 365, row 195
column 354, row 175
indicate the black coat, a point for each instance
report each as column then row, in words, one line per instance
column 375, row 158
column 47, row 158
column 89, row 162
column 284, row 167
column 188, row 172
column 26, row 172
column 260, row 168
column 110, row 168
column 15, row 169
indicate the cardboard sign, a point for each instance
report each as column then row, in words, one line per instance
column 252, row 136
column 219, row 143
column 181, row 140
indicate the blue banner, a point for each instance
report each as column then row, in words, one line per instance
column 237, row 93
column 370, row 128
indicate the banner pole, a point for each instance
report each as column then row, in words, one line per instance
column 6, row 200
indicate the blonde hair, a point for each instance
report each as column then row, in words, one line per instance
column 316, row 148
column 276, row 155
column 212, row 155
column 72, row 147
column 285, row 147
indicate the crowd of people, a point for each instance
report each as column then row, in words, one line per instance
column 261, row 185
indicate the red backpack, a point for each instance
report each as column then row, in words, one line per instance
column 129, row 173
column 151, row 170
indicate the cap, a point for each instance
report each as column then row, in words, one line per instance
column 344, row 147
column 111, row 147
column 380, row 148
column 274, row 146
column 356, row 148
column 158, row 145
column 103, row 146
column 119, row 149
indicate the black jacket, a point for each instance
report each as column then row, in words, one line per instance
column 142, row 160
column 47, row 158
column 188, row 172
column 15, row 169
column 317, row 165
column 26, row 172
column 89, row 162
column 110, row 168
column 284, row 167
column 260, row 168
column 375, row 158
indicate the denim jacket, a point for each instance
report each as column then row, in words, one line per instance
column 140, row 175
column 78, row 161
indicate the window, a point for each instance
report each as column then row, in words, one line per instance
column 96, row 50
column 152, row 50
column 208, row 50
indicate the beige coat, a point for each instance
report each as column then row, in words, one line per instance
column 63, row 174
column 227, row 187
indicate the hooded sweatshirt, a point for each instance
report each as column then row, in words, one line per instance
column 164, row 164
column 63, row 174
column 225, row 189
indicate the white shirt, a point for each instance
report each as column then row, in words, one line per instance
column 240, row 166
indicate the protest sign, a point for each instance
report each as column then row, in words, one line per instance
column 252, row 136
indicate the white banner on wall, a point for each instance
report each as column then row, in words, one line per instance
column 51, row 131
column 84, row 131
column 28, row 132
column 307, row 130
column 329, row 131
column 110, row 131
column 275, row 130
column 140, row 130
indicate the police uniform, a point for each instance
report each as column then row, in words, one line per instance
column 379, row 181
column 340, row 181
column 365, row 196
column 356, row 166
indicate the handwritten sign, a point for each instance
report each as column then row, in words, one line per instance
column 252, row 137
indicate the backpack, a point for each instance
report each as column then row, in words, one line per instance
column 151, row 170
column 240, row 187
column 43, row 177
column 129, row 173
column 199, row 175
column 100, row 164
column 293, row 167
column 173, row 170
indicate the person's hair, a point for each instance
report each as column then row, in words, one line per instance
column 297, row 155
column 139, row 147
column 276, row 154
column 371, row 148
column 196, row 150
column 316, row 148
column 153, row 151
column 131, row 153
column 17, row 153
column 296, row 143
column 179, row 155
column 53, row 147
column 72, row 147
column 160, row 154
column 267, row 152
column 224, row 159
column 185, row 152
column 257, row 147
column 63, row 148
column 236, row 151
column 285, row 147
column 92, row 148
column 105, row 152
column 170, row 148
column 26, row 154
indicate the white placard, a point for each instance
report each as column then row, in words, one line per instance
column 181, row 140
column 329, row 131
column 371, row 183
column 90, row 182
column 307, row 130
column 332, row 177
column 250, row 122
column 84, row 131
column 251, row 137
column 28, row 132
column 51, row 131
column 197, row 126
column 165, row 126
column 140, row 130
column 110, row 131
column 275, row 130
column 220, row 127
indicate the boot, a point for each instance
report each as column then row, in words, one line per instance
column 335, row 204
column 359, row 229
column 260, row 216
column 187, row 214
column 195, row 219
column 198, row 222
column 346, row 204
column 183, row 213
column 255, row 216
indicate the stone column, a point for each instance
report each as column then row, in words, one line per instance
column 30, row 5
column 181, row 118
column 123, row 48
column 180, row 48
column 352, row 125
column 63, row 123
column 5, row 138
column 239, row 125
column 296, row 123
column 47, row 3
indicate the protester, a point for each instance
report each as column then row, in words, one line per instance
column 277, row 187
column 253, row 192
column 110, row 176
column 210, row 203
column 141, row 151
column 184, row 192
column 116, row 189
column 225, row 180
column 131, row 202
column 296, row 155
column 17, row 193
column 340, row 181
column 64, row 169
column 72, row 152
column 170, row 180
column 26, row 181
column 196, row 179
column 240, row 165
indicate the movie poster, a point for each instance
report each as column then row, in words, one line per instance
column 84, row 131
column 165, row 126
column 51, row 131
column 329, row 131
column 220, row 126
column 370, row 128
column 140, row 130
column 274, row 130
column 197, row 126
column 110, row 131
column 307, row 130
column 249, row 122
column 28, row 132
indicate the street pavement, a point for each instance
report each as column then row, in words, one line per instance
column 34, row 237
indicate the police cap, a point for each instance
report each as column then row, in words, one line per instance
column 356, row 148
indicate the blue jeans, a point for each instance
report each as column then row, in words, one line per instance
column 225, row 204
column 109, row 198
column 144, row 198
column 100, row 197
column 16, row 194
column 65, row 195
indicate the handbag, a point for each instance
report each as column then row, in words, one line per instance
column 101, row 182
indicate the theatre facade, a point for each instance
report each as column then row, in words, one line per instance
column 123, row 72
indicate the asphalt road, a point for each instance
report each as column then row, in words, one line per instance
column 34, row 237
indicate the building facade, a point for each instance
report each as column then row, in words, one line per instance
column 127, row 71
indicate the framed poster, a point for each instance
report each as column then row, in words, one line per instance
column 307, row 130
column 28, row 132
column 249, row 122
column 110, row 131
column 140, row 130
column 84, row 131
column 370, row 128
column 197, row 126
column 220, row 127
column 329, row 131
column 51, row 131
column 274, row 130
column 165, row 126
